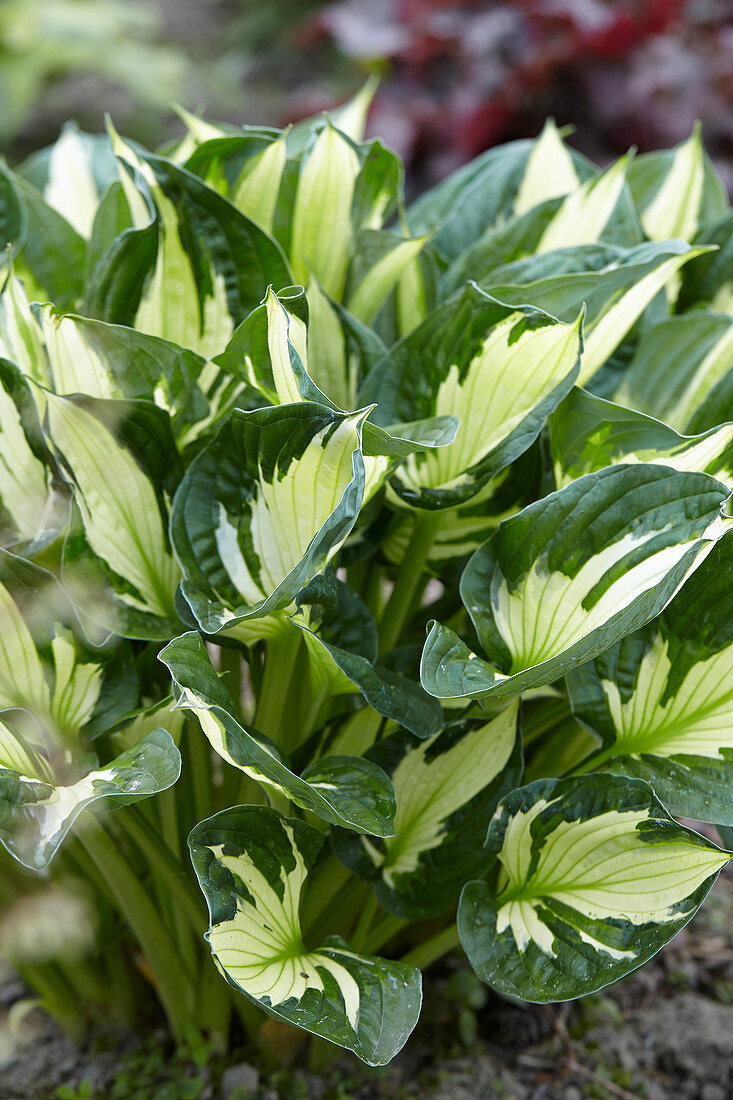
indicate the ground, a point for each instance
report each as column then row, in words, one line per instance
column 665, row 1033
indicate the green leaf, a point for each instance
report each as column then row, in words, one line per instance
column 595, row 878
column 588, row 433
column 102, row 444
column 661, row 698
column 342, row 642
column 36, row 815
column 192, row 268
column 573, row 573
column 251, row 864
column 342, row 790
column 677, row 191
column 499, row 370
column 682, row 371
column 264, row 507
column 446, row 788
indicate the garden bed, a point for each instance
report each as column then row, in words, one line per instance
column 663, row 1032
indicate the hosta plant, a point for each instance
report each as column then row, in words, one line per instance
column 367, row 571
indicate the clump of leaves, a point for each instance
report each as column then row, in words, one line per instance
column 263, row 430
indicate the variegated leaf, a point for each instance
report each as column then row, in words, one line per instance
column 264, row 507
column 166, row 277
column 21, row 336
column 342, row 790
column 49, row 670
column 598, row 210
column 499, row 370
column 109, row 448
column 252, row 864
column 588, row 433
column 112, row 361
column 677, row 191
column 483, row 193
column 48, row 252
column 573, row 573
column 36, row 814
column 709, row 279
column 342, row 642
column 446, row 788
column 322, row 226
column 72, row 175
column 616, row 286
column 549, row 172
column 595, row 877
column 34, row 513
column 383, row 258
column 270, row 351
column 662, row 698
column 682, row 371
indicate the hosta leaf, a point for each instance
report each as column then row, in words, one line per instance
column 709, row 278
column 390, row 261
column 600, row 209
column 192, row 268
column 661, row 699
column 246, row 166
column 251, row 864
column 34, row 515
column 549, row 172
column 36, row 815
column 462, row 530
column 103, row 445
column 47, row 248
column 595, row 878
column 499, row 370
column 270, row 351
column 447, row 789
column 682, row 371
column 72, row 175
column 484, row 192
column 263, row 508
column 21, row 337
column 573, row 573
column 342, row 642
column 22, row 679
column 677, row 191
column 321, row 235
column 102, row 360
column 49, row 669
column 588, row 433
column 343, row 790
column 615, row 296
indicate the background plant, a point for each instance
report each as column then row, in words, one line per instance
column 234, row 506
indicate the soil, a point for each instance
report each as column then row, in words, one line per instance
column 664, row 1033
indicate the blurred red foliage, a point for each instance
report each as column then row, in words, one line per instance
column 462, row 75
